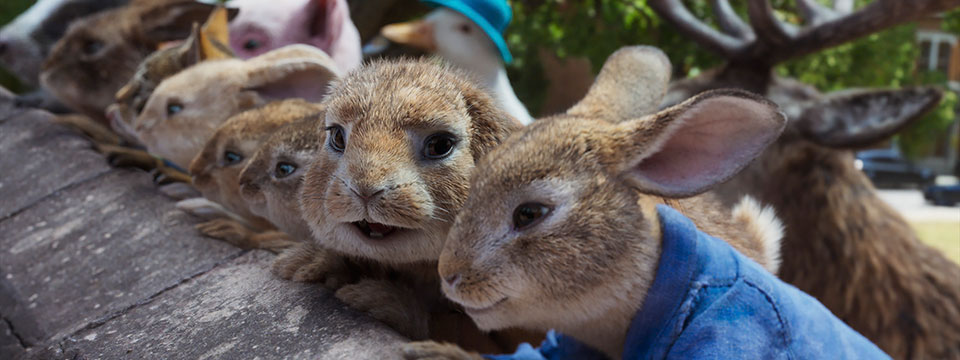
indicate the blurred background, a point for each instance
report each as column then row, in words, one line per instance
column 564, row 39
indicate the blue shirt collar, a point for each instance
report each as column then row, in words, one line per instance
column 675, row 274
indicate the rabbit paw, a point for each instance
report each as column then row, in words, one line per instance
column 307, row 262
column 391, row 303
column 122, row 156
column 227, row 230
column 431, row 350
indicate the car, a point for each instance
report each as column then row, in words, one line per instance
column 888, row 168
column 943, row 195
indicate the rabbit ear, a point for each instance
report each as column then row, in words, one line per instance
column 295, row 71
column 686, row 149
column 858, row 118
column 190, row 51
column 490, row 124
column 631, row 84
column 174, row 21
column 215, row 36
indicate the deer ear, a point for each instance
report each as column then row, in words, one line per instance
column 859, row 118
column 684, row 150
column 294, row 71
column 630, row 85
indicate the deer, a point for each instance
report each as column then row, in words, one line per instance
column 843, row 244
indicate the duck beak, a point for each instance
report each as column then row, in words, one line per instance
column 418, row 34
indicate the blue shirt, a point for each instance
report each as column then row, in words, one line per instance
column 708, row 301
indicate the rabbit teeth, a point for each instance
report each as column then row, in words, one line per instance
column 374, row 230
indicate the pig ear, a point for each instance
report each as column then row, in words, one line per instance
column 215, row 35
column 859, row 118
column 295, row 71
column 630, row 85
column 174, row 21
column 325, row 18
column 684, row 150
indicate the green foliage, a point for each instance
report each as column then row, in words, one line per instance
column 9, row 9
column 595, row 28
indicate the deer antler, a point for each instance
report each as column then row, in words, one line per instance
column 771, row 41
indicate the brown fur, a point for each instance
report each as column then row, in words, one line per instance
column 100, row 52
column 204, row 44
column 387, row 111
column 853, row 252
column 241, row 135
column 593, row 256
column 266, row 191
column 208, row 93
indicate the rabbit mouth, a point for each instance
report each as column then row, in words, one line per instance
column 375, row 230
column 472, row 311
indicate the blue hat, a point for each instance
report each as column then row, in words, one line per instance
column 492, row 16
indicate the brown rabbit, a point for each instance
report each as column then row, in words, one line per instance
column 216, row 170
column 206, row 43
column 561, row 217
column 403, row 138
column 101, row 52
column 276, row 171
column 185, row 109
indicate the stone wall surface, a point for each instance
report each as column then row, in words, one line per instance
column 95, row 263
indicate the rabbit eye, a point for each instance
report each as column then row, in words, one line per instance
column 251, row 44
column 528, row 214
column 439, row 146
column 284, row 169
column 337, row 143
column 91, row 47
column 174, row 108
column 230, row 158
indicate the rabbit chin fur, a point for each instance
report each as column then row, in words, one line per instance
column 388, row 110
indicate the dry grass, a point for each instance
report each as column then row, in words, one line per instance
column 942, row 235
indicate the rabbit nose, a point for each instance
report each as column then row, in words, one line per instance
column 366, row 195
column 452, row 280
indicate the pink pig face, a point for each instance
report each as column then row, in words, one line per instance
column 262, row 26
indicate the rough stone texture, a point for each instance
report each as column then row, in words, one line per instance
column 7, row 109
column 96, row 263
column 38, row 158
column 95, row 249
column 9, row 344
column 212, row 317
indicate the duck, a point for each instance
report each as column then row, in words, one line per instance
column 468, row 34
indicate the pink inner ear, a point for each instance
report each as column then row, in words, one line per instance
column 715, row 138
column 310, row 85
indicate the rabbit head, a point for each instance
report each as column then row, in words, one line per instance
column 206, row 43
column 561, row 217
column 185, row 109
column 101, row 52
column 403, row 139
column 271, row 182
column 216, row 169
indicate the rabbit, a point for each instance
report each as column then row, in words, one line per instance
column 27, row 39
column 185, row 109
column 403, row 138
column 267, row 25
column 100, row 52
column 206, row 43
column 566, row 227
column 276, row 171
column 216, row 170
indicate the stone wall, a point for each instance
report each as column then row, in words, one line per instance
column 96, row 264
